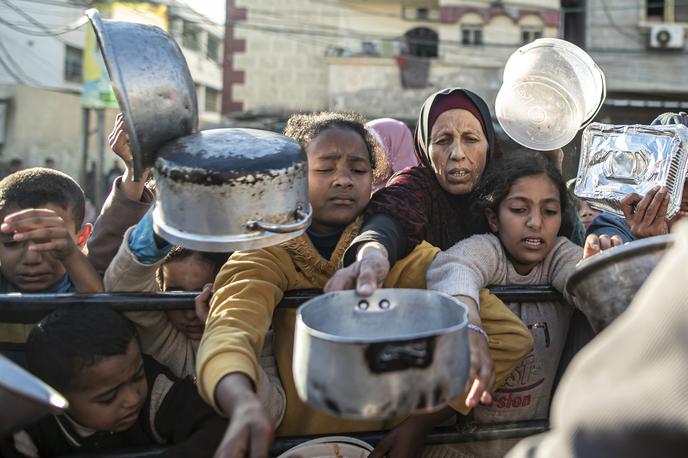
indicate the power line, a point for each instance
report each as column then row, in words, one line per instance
column 56, row 3
column 10, row 72
column 46, row 30
column 16, row 66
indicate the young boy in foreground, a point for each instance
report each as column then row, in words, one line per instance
column 117, row 396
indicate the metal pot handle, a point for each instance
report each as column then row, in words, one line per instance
column 304, row 217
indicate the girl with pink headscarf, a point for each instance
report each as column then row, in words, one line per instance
column 397, row 142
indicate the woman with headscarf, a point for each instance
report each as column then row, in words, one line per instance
column 454, row 141
column 397, row 142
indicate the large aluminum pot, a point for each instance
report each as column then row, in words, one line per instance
column 152, row 83
column 24, row 398
column 396, row 352
column 231, row 189
column 605, row 284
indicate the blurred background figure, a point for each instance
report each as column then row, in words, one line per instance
column 397, row 143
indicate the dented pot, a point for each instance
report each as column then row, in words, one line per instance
column 396, row 352
column 152, row 84
column 231, row 189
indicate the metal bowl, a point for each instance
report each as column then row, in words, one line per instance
column 152, row 83
column 231, row 189
column 605, row 284
column 396, row 352
column 24, row 398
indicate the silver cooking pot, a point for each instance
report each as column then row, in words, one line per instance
column 24, row 398
column 396, row 352
column 152, row 84
column 231, row 189
column 605, row 284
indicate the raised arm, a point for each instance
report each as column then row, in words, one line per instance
column 128, row 201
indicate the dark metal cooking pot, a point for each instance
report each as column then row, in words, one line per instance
column 231, row 189
column 396, row 352
column 24, row 398
column 152, row 83
column 605, row 284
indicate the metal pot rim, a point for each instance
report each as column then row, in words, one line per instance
column 221, row 244
column 616, row 254
column 118, row 84
column 53, row 399
column 400, row 338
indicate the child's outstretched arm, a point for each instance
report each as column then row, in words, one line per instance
column 47, row 233
column 125, row 206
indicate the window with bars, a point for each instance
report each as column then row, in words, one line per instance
column 212, row 100
column 471, row 34
column 190, row 36
column 529, row 34
column 666, row 10
column 74, row 58
column 213, row 51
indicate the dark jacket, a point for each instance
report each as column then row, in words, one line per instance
column 179, row 418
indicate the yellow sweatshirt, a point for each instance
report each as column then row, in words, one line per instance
column 252, row 283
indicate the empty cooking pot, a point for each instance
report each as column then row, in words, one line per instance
column 396, row 352
column 152, row 84
column 605, row 284
column 231, row 189
column 24, row 398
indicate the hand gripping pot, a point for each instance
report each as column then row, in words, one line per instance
column 24, row 398
column 152, row 84
column 231, row 189
column 395, row 352
column 604, row 285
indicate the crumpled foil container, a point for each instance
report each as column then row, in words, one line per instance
column 619, row 160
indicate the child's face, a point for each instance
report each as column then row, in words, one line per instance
column 32, row 271
column 108, row 396
column 187, row 274
column 528, row 221
column 339, row 178
column 586, row 214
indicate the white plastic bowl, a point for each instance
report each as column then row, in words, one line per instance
column 550, row 90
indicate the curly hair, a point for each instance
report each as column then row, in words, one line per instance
column 305, row 127
column 502, row 174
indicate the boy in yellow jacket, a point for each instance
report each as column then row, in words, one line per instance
column 342, row 160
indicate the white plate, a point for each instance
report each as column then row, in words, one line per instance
column 330, row 447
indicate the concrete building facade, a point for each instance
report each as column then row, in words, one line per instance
column 41, row 78
column 641, row 47
column 380, row 57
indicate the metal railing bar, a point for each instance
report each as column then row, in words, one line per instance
column 469, row 432
column 30, row 308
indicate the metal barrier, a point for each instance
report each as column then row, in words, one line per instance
column 30, row 308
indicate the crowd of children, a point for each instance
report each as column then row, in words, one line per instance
column 173, row 378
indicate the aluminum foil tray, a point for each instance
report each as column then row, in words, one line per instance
column 618, row 160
